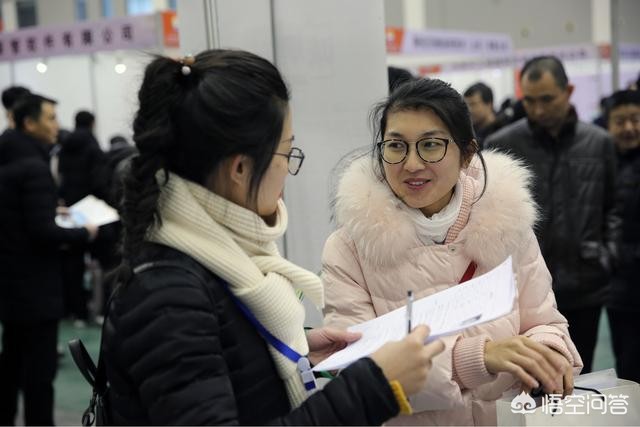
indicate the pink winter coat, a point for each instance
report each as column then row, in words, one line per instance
column 375, row 256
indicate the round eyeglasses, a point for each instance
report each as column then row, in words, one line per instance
column 431, row 150
column 295, row 157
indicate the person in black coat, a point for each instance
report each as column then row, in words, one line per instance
column 83, row 167
column 574, row 170
column 82, row 170
column 623, row 304
column 201, row 211
column 30, row 288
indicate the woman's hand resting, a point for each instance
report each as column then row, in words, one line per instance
column 409, row 360
column 530, row 362
column 323, row 342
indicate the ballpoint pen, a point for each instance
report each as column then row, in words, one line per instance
column 409, row 307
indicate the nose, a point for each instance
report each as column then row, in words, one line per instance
column 628, row 126
column 538, row 110
column 413, row 162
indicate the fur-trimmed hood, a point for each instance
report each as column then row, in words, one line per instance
column 497, row 224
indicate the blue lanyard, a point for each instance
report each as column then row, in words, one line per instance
column 284, row 349
column 304, row 367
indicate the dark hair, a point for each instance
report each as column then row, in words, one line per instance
column 11, row 94
column 620, row 98
column 428, row 94
column 535, row 67
column 84, row 120
column 29, row 106
column 118, row 139
column 397, row 76
column 486, row 94
column 230, row 102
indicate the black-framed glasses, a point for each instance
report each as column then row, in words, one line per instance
column 295, row 157
column 431, row 149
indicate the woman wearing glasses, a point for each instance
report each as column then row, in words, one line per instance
column 426, row 213
column 206, row 326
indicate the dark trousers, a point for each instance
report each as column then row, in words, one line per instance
column 583, row 328
column 28, row 363
column 626, row 346
column 75, row 295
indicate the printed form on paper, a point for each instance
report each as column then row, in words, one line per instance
column 479, row 300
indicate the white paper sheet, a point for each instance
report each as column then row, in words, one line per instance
column 479, row 300
column 89, row 210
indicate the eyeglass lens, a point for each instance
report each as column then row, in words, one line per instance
column 295, row 160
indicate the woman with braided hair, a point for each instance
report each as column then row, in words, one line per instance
column 206, row 326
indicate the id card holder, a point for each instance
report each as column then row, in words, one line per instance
column 308, row 378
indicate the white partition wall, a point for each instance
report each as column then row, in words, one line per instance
column 336, row 71
column 117, row 94
column 85, row 82
column 67, row 80
column 332, row 54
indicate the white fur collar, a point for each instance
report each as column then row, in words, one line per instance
column 370, row 213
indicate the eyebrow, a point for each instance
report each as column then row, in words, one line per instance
column 426, row 134
column 543, row 96
column 293, row 137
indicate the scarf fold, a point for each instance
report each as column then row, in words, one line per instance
column 433, row 230
column 238, row 246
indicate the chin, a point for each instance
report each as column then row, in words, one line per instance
column 413, row 203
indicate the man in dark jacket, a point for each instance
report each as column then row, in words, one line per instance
column 82, row 165
column 82, row 169
column 479, row 99
column 30, row 284
column 574, row 181
column 623, row 305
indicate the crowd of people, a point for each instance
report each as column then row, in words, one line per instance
column 206, row 324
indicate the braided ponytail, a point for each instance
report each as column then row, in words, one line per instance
column 153, row 135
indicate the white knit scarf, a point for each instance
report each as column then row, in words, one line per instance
column 238, row 246
column 433, row 230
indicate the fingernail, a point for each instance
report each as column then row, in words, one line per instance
column 536, row 384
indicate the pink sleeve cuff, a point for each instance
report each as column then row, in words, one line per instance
column 555, row 342
column 469, row 369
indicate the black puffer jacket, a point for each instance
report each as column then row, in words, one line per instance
column 179, row 351
column 625, row 285
column 83, row 168
column 574, row 186
column 30, row 275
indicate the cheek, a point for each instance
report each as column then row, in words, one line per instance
column 391, row 172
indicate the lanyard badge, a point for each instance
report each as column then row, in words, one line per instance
column 308, row 378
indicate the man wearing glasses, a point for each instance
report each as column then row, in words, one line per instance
column 574, row 167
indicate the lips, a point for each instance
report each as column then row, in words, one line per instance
column 416, row 183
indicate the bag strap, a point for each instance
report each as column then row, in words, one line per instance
column 468, row 274
column 83, row 361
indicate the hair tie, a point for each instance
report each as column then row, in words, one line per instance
column 187, row 61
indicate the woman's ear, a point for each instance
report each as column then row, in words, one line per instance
column 239, row 169
column 231, row 179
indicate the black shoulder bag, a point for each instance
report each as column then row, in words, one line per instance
column 98, row 412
